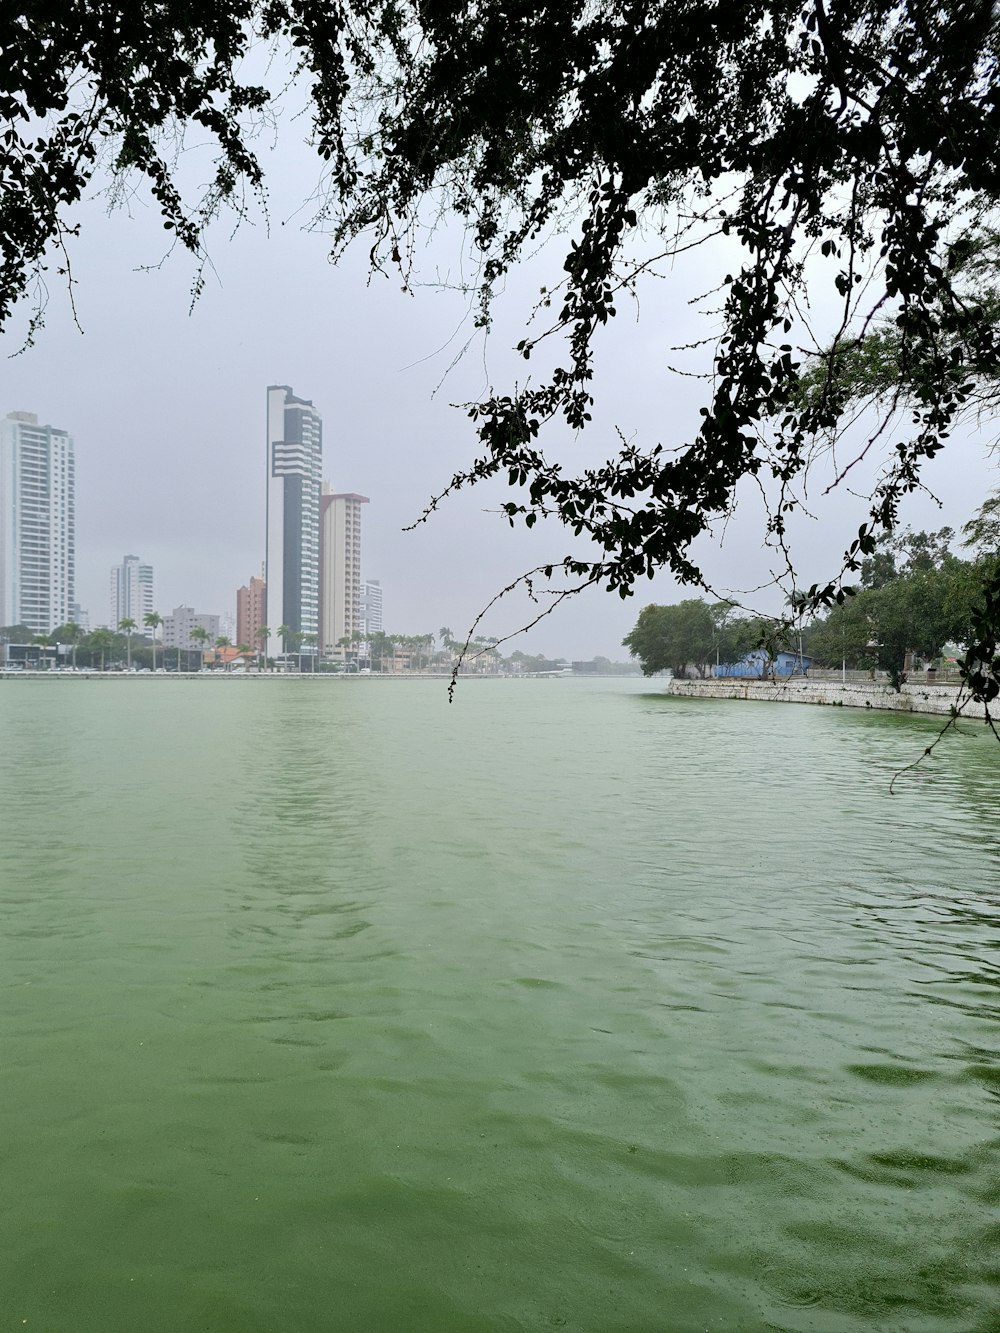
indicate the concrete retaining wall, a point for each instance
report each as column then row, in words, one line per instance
column 911, row 699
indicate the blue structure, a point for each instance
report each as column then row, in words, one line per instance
column 756, row 665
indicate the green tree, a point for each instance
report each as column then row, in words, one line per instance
column 310, row 642
column 735, row 634
column 127, row 626
column 222, row 641
column 69, row 633
column 294, row 640
column 153, row 620
column 43, row 641
column 102, row 641
column 673, row 638
column 262, row 635
column 201, row 636
column 382, row 645
column 982, row 532
column 844, row 637
column 917, row 597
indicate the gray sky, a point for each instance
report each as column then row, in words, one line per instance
column 167, row 411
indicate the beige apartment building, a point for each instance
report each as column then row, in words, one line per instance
column 340, row 586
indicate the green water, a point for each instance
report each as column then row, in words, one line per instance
column 328, row 1007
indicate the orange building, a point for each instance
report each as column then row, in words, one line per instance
column 251, row 612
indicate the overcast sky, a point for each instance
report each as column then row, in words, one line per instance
column 167, row 405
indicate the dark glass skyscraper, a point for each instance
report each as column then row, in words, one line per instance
column 294, row 470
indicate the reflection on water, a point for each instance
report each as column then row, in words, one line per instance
column 305, row 810
column 330, row 1006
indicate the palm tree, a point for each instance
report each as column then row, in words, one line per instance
column 127, row 625
column 379, row 645
column 263, row 634
column 286, row 635
column 220, row 643
column 201, row 636
column 310, row 641
column 152, row 620
column 72, row 631
column 293, row 646
column 43, row 641
column 102, row 640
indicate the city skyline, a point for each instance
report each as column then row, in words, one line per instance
column 301, row 563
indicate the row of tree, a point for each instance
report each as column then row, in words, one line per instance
column 916, row 598
column 126, row 648
column 106, row 648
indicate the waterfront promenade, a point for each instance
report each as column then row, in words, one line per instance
column 915, row 697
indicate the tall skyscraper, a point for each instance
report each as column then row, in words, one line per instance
column 340, row 567
column 37, row 524
column 251, row 611
column 131, row 591
column 294, row 473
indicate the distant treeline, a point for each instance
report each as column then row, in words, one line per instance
column 106, row 649
column 916, row 598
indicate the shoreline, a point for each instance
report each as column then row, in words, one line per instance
column 85, row 673
column 936, row 700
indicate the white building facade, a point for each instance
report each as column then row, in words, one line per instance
column 294, row 476
column 37, row 524
column 177, row 629
column 371, row 608
column 131, row 591
column 340, row 575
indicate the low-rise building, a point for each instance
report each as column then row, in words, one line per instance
column 177, row 629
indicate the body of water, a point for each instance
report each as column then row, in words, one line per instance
column 329, row 1007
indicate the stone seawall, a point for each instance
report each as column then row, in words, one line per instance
column 911, row 699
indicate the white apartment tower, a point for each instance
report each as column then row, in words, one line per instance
column 37, row 524
column 340, row 581
column 131, row 591
column 371, row 608
column 294, row 474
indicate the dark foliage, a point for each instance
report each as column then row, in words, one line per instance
column 851, row 143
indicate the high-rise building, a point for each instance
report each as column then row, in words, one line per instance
column 131, row 591
column 251, row 611
column 294, row 473
column 371, row 608
column 340, row 567
column 178, row 626
column 37, row 524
